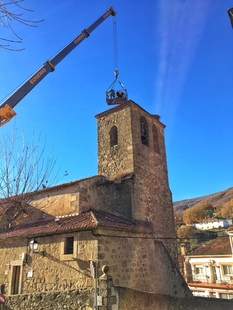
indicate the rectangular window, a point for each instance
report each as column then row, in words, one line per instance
column 227, row 269
column 198, row 269
column 69, row 245
column 226, row 296
column 16, row 279
column 16, row 271
column 200, row 294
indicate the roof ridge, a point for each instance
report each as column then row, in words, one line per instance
column 66, row 215
column 94, row 217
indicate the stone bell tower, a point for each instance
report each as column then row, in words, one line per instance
column 130, row 140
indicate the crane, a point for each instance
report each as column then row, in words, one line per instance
column 230, row 14
column 6, row 108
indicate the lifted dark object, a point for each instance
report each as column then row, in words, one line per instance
column 116, row 96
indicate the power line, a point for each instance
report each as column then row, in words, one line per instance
column 151, row 238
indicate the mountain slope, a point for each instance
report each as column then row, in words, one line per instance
column 217, row 200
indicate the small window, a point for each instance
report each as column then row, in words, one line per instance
column 2, row 289
column 198, row 269
column 69, row 245
column 155, row 139
column 113, row 136
column 226, row 296
column 227, row 269
column 144, row 131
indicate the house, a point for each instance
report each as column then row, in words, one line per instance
column 208, row 269
column 120, row 220
column 207, row 224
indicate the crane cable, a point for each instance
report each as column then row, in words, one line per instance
column 119, row 96
column 115, row 47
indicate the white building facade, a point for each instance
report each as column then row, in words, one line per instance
column 208, row 270
column 211, row 224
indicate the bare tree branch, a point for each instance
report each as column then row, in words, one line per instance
column 11, row 12
column 23, row 165
column 25, row 168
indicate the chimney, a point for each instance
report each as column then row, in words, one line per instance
column 183, row 248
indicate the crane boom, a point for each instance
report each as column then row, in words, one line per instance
column 6, row 108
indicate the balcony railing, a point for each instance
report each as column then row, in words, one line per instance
column 223, row 280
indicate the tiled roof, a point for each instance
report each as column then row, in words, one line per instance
column 209, row 220
column 87, row 220
column 218, row 246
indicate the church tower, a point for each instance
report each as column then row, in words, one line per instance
column 130, row 140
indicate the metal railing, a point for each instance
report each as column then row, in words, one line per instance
column 201, row 278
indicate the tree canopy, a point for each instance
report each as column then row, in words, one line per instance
column 227, row 209
column 186, row 232
column 198, row 212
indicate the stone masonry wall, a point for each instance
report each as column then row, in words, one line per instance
column 50, row 272
column 119, row 298
column 118, row 159
column 97, row 192
column 113, row 196
column 134, row 300
column 73, row 197
column 134, row 262
column 141, row 264
column 151, row 196
column 112, row 298
column 72, row 300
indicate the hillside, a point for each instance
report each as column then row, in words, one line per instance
column 217, row 200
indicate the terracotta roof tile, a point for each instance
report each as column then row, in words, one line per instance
column 87, row 220
column 218, row 246
column 208, row 220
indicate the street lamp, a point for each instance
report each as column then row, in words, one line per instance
column 34, row 246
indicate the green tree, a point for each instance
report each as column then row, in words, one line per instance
column 197, row 212
column 186, row 232
column 227, row 209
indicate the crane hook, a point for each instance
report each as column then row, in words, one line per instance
column 116, row 72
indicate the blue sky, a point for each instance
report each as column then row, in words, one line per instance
column 174, row 57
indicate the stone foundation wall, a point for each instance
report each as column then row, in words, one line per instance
column 72, row 300
column 112, row 298
column 134, row 300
